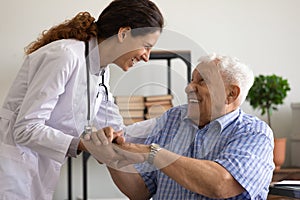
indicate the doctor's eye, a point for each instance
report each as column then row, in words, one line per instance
column 147, row 48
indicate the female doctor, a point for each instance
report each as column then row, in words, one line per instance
column 46, row 110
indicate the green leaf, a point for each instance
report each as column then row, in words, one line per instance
column 267, row 92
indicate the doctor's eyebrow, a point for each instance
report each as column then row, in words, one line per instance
column 148, row 45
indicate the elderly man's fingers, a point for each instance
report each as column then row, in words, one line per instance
column 118, row 133
column 119, row 140
column 109, row 133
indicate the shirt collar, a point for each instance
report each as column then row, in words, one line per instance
column 225, row 120
column 220, row 123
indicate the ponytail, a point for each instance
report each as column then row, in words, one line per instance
column 82, row 27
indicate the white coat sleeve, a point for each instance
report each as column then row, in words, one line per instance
column 47, row 77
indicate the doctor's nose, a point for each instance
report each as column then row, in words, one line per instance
column 146, row 55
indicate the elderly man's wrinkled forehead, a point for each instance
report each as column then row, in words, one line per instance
column 208, row 70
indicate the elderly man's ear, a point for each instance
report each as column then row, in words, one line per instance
column 233, row 94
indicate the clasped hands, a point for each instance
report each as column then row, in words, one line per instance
column 109, row 147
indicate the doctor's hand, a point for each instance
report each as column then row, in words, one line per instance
column 101, row 149
column 105, row 136
column 100, row 145
column 109, row 147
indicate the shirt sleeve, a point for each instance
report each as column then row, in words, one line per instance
column 249, row 158
column 139, row 131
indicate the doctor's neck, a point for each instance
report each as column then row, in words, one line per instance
column 107, row 51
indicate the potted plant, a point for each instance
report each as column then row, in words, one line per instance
column 267, row 92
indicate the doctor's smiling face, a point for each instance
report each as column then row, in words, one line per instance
column 134, row 48
column 126, row 32
column 206, row 94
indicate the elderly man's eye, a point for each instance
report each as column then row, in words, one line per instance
column 201, row 82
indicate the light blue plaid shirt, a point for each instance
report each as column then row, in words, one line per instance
column 241, row 143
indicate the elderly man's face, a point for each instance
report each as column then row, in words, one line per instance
column 206, row 94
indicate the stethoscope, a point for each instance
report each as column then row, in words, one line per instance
column 88, row 128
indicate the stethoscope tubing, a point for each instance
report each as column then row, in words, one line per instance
column 88, row 127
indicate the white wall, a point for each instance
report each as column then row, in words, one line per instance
column 264, row 34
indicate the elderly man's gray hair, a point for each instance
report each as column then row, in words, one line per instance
column 233, row 72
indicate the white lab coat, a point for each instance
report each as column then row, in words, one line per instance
column 44, row 109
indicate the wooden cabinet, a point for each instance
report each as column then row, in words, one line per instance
column 286, row 174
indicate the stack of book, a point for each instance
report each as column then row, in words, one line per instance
column 157, row 105
column 131, row 108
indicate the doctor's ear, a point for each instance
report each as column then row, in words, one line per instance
column 123, row 33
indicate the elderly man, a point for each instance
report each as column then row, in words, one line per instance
column 207, row 149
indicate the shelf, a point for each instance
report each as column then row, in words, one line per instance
column 184, row 55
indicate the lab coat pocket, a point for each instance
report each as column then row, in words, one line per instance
column 17, row 170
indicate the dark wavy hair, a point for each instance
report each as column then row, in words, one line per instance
column 141, row 15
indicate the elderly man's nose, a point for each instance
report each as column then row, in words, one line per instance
column 189, row 88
